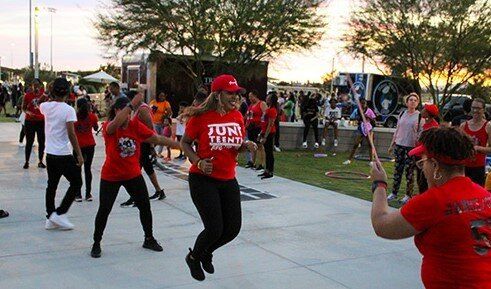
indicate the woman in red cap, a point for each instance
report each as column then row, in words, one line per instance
column 479, row 129
column 429, row 114
column 450, row 222
column 218, row 127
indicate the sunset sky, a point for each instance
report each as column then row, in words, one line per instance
column 75, row 48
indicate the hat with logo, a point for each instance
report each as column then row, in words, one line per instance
column 432, row 109
column 226, row 82
column 61, row 87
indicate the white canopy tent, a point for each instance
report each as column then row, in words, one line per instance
column 100, row 77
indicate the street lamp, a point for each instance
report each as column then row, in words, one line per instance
column 51, row 12
column 36, row 42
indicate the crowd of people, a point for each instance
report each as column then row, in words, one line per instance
column 449, row 218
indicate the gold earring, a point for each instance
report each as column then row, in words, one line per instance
column 435, row 176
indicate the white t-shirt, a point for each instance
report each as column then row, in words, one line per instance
column 56, row 116
column 332, row 114
column 180, row 127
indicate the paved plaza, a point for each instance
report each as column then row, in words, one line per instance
column 293, row 236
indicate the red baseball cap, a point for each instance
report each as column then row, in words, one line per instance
column 432, row 109
column 226, row 82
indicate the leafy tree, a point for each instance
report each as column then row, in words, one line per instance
column 233, row 32
column 441, row 43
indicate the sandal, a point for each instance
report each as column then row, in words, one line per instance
column 3, row 214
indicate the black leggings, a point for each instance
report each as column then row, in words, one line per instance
column 22, row 134
column 268, row 150
column 32, row 128
column 308, row 122
column 218, row 204
column 88, row 155
column 58, row 166
column 107, row 196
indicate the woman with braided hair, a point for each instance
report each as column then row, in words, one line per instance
column 450, row 222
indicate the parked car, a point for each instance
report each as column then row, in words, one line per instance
column 454, row 106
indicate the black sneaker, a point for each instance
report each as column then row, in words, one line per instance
column 128, row 204
column 78, row 199
column 41, row 165
column 262, row 174
column 195, row 267
column 88, row 198
column 259, row 168
column 249, row 165
column 162, row 195
column 206, row 263
column 152, row 244
column 267, row 176
column 155, row 196
column 96, row 250
column 26, row 165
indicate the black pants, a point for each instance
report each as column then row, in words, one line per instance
column 33, row 128
column 107, row 196
column 58, row 166
column 277, row 135
column 218, row 204
column 268, row 150
column 22, row 134
column 308, row 122
column 476, row 174
column 146, row 159
column 88, row 155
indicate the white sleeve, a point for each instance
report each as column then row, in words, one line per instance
column 71, row 115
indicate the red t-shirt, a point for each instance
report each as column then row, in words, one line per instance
column 83, row 130
column 255, row 114
column 219, row 137
column 31, row 99
column 479, row 138
column 432, row 123
column 455, row 222
column 123, row 151
column 270, row 113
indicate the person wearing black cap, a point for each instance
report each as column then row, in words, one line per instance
column 60, row 133
column 123, row 137
column 450, row 222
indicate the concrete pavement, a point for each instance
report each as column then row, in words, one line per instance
column 293, row 236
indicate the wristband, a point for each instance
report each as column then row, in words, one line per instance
column 376, row 184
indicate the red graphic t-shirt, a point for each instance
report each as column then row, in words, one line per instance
column 270, row 113
column 455, row 225
column 83, row 130
column 219, row 138
column 479, row 138
column 123, row 151
column 31, row 99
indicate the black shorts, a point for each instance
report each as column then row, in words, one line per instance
column 253, row 132
column 146, row 158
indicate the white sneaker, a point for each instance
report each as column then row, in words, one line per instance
column 346, row 162
column 304, row 145
column 50, row 225
column 62, row 221
column 405, row 199
column 277, row 149
column 21, row 145
column 391, row 197
column 323, row 143
column 335, row 142
column 316, row 145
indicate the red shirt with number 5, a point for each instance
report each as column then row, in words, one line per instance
column 455, row 224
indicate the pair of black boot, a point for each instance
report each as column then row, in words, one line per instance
column 195, row 266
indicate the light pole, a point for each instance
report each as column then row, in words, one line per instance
column 30, row 34
column 51, row 11
column 36, row 42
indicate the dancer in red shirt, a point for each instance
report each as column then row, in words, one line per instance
column 86, row 122
column 218, row 127
column 123, row 137
column 479, row 129
column 450, row 222
column 268, row 131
